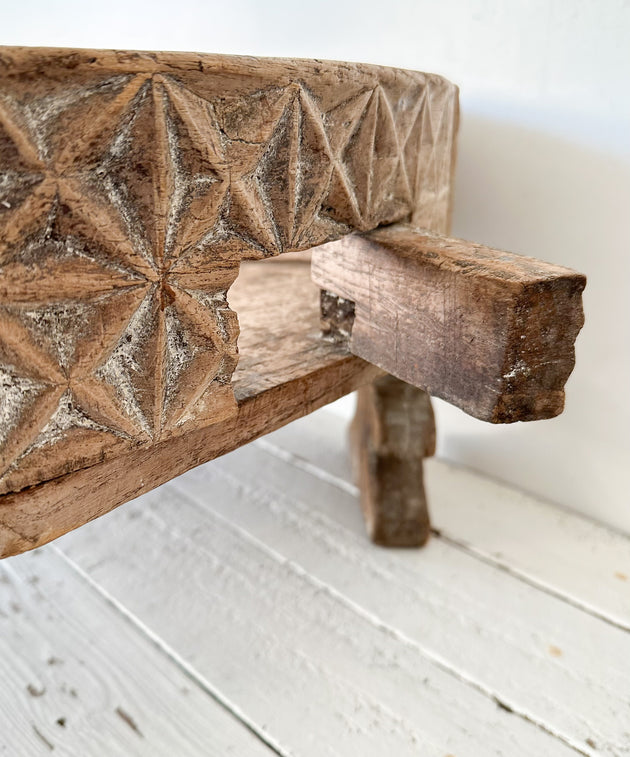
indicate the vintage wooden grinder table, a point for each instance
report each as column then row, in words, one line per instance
column 133, row 186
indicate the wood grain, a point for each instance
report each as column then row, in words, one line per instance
column 489, row 331
column 392, row 432
column 286, row 371
column 131, row 186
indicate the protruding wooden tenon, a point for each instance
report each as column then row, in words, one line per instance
column 487, row 330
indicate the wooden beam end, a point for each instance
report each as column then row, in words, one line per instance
column 486, row 330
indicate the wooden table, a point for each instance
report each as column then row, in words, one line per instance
column 134, row 187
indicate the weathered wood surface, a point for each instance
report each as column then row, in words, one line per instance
column 286, row 370
column 487, row 330
column 79, row 679
column 132, row 184
column 392, row 432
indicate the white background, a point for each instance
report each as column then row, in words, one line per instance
column 544, row 169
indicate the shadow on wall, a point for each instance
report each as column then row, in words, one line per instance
column 538, row 194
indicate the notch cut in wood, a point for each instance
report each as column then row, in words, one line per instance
column 488, row 331
column 285, row 371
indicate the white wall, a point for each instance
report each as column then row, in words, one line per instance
column 544, row 169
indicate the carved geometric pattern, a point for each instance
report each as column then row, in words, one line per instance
column 127, row 201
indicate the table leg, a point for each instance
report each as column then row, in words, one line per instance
column 392, row 432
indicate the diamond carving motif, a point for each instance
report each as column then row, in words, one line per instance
column 128, row 199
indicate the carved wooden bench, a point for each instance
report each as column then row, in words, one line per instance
column 132, row 188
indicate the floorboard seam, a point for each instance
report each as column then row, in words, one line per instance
column 529, row 580
column 193, row 675
column 374, row 619
column 340, row 483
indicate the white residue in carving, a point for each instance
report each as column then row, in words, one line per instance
column 115, row 189
column 8, row 181
column 66, row 417
column 121, row 367
column 180, row 196
column 270, row 159
column 14, row 185
column 58, row 327
column 49, row 244
column 70, row 245
column 16, row 392
column 40, row 113
column 121, row 143
column 38, row 246
column 520, row 369
column 118, row 194
column 300, row 170
column 179, row 354
column 185, row 186
column 221, row 229
column 218, row 304
column 94, row 255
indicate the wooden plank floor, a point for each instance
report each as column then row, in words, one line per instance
column 240, row 610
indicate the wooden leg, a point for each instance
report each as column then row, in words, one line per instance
column 392, row 431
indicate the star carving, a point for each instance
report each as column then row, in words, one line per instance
column 109, row 334
column 126, row 206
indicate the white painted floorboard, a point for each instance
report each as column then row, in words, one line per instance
column 512, row 640
column 77, row 679
column 316, row 674
column 565, row 552
column 249, row 582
